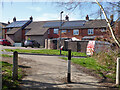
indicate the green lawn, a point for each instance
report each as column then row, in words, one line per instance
column 46, row 51
column 7, row 82
column 91, row 63
column 6, row 55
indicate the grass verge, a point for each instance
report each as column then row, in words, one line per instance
column 7, row 82
column 46, row 51
column 91, row 63
column 6, row 55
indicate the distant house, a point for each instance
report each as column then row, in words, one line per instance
column 80, row 29
column 14, row 32
column 35, row 31
column 2, row 25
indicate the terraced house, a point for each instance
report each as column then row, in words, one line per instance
column 15, row 31
column 80, row 29
column 19, row 31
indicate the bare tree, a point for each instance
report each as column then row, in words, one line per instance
column 110, row 7
column 110, row 27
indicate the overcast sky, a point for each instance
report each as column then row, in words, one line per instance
column 42, row 11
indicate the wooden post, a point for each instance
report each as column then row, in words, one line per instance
column 15, row 65
column 118, row 71
column 69, row 67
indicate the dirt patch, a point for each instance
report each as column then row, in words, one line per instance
column 102, row 80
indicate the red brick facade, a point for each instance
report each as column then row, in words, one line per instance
column 82, row 33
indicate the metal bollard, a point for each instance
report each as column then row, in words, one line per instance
column 69, row 67
column 118, row 71
column 15, row 65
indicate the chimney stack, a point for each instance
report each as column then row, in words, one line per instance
column 111, row 20
column 14, row 19
column 8, row 22
column 67, row 18
column 31, row 18
column 87, row 17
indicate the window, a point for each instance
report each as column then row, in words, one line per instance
column 90, row 31
column 68, row 30
column 63, row 31
column 103, row 30
column 55, row 31
column 75, row 32
column 48, row 31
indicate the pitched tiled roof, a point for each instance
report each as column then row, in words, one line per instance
column 73, row 24
column 78, row 24
column 3, row 24
column 36, row 28
column 101, row 23
column 13, row 31
column 17, row 24
column 52, row 24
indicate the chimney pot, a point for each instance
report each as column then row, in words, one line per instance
column 67, row 18
column 14, row 19
column 31, row 18
column 87, row 17
column 8, row 22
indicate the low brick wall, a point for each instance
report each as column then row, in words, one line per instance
column 50, row 44
column 76, row 46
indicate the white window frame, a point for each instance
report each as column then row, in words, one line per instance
column 55, row 31
column 48, row 31
column 63, row 31
column 90, row 31
column 74, row 32
column 103, row 30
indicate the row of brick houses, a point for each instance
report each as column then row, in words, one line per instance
column 19, row 31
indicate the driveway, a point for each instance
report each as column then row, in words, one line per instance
column 51, row 72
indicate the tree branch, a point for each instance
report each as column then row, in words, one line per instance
column 111, row 30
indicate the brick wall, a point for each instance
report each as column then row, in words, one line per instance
column 82, row 33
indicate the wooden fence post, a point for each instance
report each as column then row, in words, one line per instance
column 118, row 71
column 69, row 67
column 15, row 65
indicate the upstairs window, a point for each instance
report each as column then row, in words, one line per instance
column 90, row 31
column 103, row 30
column 63, row 31
column 68, row 30
column 55, row 31
column 48, row 31
column 76, row 32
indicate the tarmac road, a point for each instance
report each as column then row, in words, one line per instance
column 51, row 72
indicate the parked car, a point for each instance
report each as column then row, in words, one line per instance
column 31, row 43
column 5, row 42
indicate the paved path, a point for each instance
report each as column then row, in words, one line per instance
column 51, row 72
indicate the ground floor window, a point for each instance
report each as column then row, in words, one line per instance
column 63, row 31
column 55, row 31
